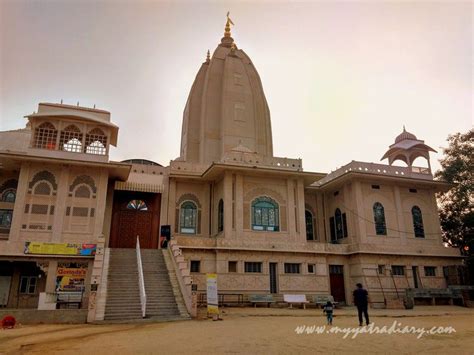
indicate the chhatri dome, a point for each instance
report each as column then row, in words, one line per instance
column 226, row 109
column 407, row 148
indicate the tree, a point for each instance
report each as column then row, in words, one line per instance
column 456, row 206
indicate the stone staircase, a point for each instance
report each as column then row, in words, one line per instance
column 123, row 294
column 160, row 293
column 164, row 299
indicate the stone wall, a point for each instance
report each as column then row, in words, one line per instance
column 34, row 316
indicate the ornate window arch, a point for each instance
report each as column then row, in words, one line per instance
column 40, row 202
column 46, row 176
column 45, row 136
column 42, row 187
column 8, row 191
column 188, row 217
column 71, row 139
column 379, row 219
column 83, row 191
column 417, row 222
column 80, row 183
column 8, row 195
column 265, row 214
column 96, row 142
column 220, row 216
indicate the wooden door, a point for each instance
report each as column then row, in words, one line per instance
column 336, row 281
column 135, row 214
column 273, row 278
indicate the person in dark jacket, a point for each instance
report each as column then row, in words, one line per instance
column 361, row 300
column 328, row 309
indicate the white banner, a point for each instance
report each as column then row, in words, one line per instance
column 212, row 298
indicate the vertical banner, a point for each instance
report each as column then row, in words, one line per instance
column 212, row 299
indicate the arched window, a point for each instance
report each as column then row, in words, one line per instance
column 82, row 191
column 96, row 142
column 188, row 218
column 417, row 222
column 9, row 195
column 265, row 215
column 137, row 205
column 45, row 136
column 71, row 139
column 220, row 216
column 44, row 176
column 379, row 219
column 83, row 186
column 42, row 188
column 309, row 225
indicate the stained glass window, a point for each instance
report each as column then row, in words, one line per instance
column 138, row 205
column 9, row 195
column 5, row 219
column 379, row 219
column 265, row 216
column 188, row 218
column 417, row 222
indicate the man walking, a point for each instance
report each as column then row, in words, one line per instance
column 361, row 300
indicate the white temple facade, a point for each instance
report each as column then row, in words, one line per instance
column 262, row 223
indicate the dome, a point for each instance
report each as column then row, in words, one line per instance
column 226, row 107
column 405, row 135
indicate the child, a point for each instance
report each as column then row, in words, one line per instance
column 328, row 309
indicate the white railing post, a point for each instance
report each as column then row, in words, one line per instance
column 141, row 280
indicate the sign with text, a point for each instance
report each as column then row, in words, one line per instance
column 60, row 248
column 71, row 277
column 212, row 299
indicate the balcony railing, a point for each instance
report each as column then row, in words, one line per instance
column 378, row 169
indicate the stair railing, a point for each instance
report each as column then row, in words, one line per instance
column 141, row 280
column 182, row 272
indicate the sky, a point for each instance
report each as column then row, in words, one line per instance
column 341, row 78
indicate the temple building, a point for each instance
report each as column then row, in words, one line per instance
column 80, row 231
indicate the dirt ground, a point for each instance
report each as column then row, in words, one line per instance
column 252, row 331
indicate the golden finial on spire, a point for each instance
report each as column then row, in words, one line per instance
column 227, row 25
column 208, row 56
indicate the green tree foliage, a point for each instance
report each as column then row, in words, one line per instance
column 456, row 206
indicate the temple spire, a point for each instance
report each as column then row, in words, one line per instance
column 227, row 40
column 227, row 26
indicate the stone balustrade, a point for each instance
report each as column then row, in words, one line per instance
column 185, row 280
column 378, row 169
column 260, row 160
column 177, row 167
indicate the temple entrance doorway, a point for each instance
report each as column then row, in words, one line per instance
column 336, row 281
column 135, row 214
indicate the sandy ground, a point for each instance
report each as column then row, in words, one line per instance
column 251, row 331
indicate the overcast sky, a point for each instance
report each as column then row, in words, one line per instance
column 341, row 78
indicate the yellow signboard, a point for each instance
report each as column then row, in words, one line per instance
column 212, row 298
column 60, row 248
